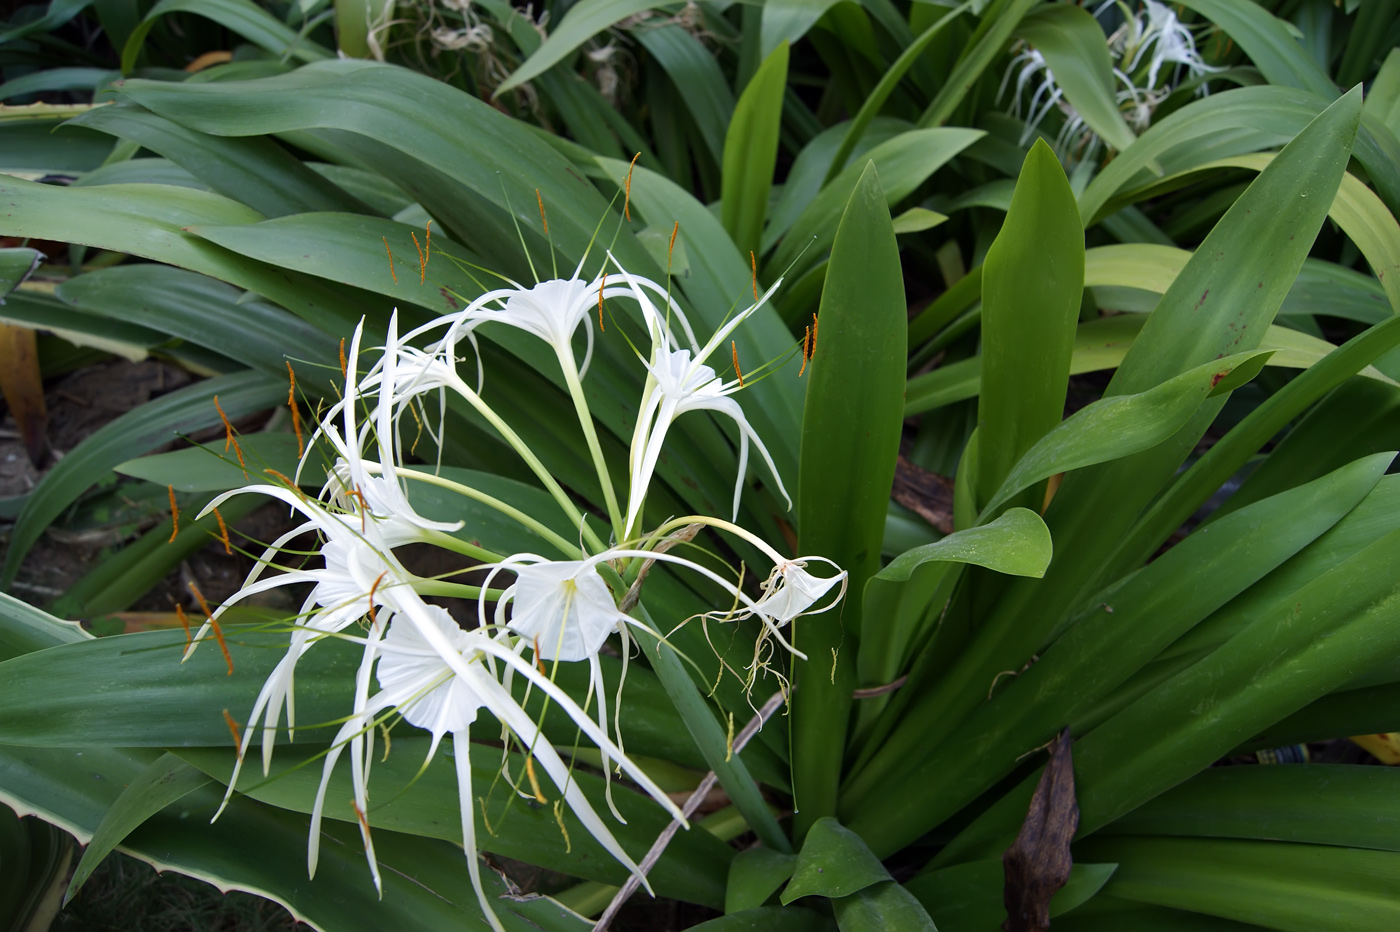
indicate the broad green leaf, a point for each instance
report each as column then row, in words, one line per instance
column 904, row 163
column 1072, row 42
column 754, row 876
column 1016, row 544
column 1383, row 103
column 1365, row 711
column 424, row 802
column 166, row 780
column 1118, row 426
column 1266, row 41
column 24, row 628
column 999, row 19
column 1294, row 888
column 790, row 20
column 243, row 17
column 1119, row 631
column 769, row 919
column 884, row 906
column 255, row 171
column 152, row 425
column 698, row 80
column 16, row 264
column 207, row 468
column 59, row 13
column 834, row 863
column 850, row 435
column 1032, row 285
column 583, row 21
column 855, row 130
column 150, row 699
column 751, row 150
column 202, row 311
column 1320, row 804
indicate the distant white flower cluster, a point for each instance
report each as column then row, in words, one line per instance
column 418, row 661
column 1152, row 52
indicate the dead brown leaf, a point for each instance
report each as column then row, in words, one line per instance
column 927, row 494
column 1037, row 864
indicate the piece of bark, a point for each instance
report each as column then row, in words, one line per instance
column 1037, row 864
column 22, row 385
column 927, row 494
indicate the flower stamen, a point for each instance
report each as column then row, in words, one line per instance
column 236, row 732
column 422, row 260
column 534, row 781
column 292, row 403
column 174, row 515
column 753, row 262
column 734, row 349
column 601, row 286
column 229, row 438
column 184, row 623
column 342, row 358
column 627, row 196
column 392, row 273
column 223, row 532
column 543, row 219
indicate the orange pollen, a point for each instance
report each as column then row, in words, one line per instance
column 539, row 664
column 359, row 496
column 174, row 515
column 223, row 532
column 600, row 302
column 806, row 350
column 296, row 415
column 285, row 478
column 422, row 260
column 543, row 218
column 228, row 428
column 237, row 734
column 754, row 263
column 372, row 588
column 815, row 325
column 739, row 375
column 184, row 623
column 428, row 241
column 392, row 273
column 534, row 780
column 343, row 365
column 199, row 596
column 223, row 646
column 627, row 197
column 672, row 248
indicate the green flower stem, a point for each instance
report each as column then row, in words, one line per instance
column 510, row 511
column 712, row 741
column 454, row 590
column 590, row 433
column 457, row 545
column 719, row 523
column 551, row 485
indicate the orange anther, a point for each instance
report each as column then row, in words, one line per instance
column 237, row 734
column 184, row 623
column 543, row 218
column 392, row 273
column 343, row 366
column 174, row 515
column 422, row 260
column 218, row 632
column 754, row 262
column 603, row 285
column 806, row 350
column 534, row 781
column 223, row 532
column 672, row 248
column 428, row 241
column 815, row 325
column 296, row 414
column 737, row 374
column 627, row 197
column 372, row 588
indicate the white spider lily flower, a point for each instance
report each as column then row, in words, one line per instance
column 356, row 483
column 359, row 567
column 438, row 677
column 680, row 381
column 791, row 591
column 1169, row 40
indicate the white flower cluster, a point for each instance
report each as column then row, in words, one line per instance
column 430, row 670
column 1149, row 51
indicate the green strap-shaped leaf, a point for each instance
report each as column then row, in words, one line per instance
column 24, row 628
column 1071, row 40
column 886, row 905
column 255, row 171
column 1032, row 284
column 754, row 876
column 202, row 311
column 904, row 163
column 697, row 77
column 1276, row 886
column 786, row 21
column 243, row 17
column 584, row 20
column 151, row 425
column 1119, row 631
column 166, row 780
column 850, row 437
column 834, row 863
column 1121, row 425
column 1265, row 39
column 968, row 897
column 999, row 19
column 1321, row 804
column 751, row 151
